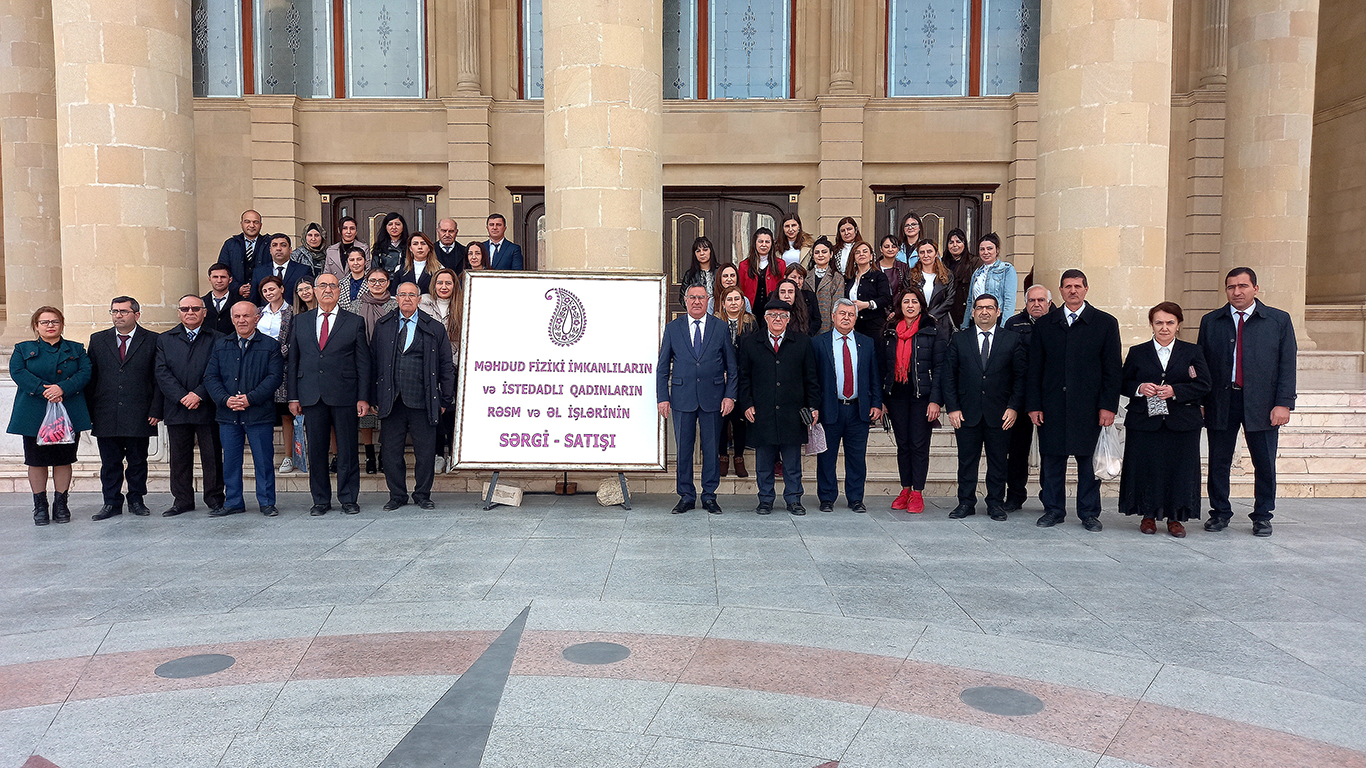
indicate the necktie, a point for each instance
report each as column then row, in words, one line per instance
column 280, row 271
column 242, row 344
column 848, row 371
column 1071, row 318
column 322, row 336
column 775, row 340
column 189, row 336
column 1238, row 352
column 251, row 248
column 697, row 338
column 123, row 347
column 986, row 348
column 407, row 333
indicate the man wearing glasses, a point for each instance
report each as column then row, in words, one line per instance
column 125, row 405
column 182, row 356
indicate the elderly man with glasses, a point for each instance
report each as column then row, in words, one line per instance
column 125, row 406
column 181, row 359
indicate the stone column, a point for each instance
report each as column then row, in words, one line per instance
column 603, row 134
column 1104, row 130
column 842, row 46
column 277, row 169
column 1268, row 126
column 1214, row 46
column 840, row 188
column 125, row 132
column 28, row 161
column 467, row 48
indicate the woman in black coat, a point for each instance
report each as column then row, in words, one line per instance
column 1165, row 380
column 867, row 287
column 912, row 355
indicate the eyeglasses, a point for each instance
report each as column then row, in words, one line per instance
column 325, row 287
column 121, row 312
column 188, row 310
column 407, row 295
column 49, row 322
column 378, row 280
column 697, row 298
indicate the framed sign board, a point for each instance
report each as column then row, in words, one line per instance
column 557, row 371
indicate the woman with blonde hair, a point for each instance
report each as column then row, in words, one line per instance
column 730, row 308
column 867, row 287
column 445, row 302
column 418, row 264
column 935, row 282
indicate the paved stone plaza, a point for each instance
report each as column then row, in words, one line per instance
column 600, row 637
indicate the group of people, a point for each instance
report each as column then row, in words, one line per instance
column 308, row 336
column 807, row 331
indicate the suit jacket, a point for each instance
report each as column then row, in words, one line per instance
column 690, row 382
column 867, row 375
column 293, row 271
column 1269, row 351
column 180, row 366
column 409, row 276
column 777, row 386
column 339, row 375
column 234, row 254
column 454, row 260
column 438, row 383
column 1188, row 376
column 220, row 321
column 123, row 395
column 509, row 255
column 1074, row 372
column 984, row 394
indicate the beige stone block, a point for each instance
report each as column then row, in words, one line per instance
column 156, row 89
column 1093, row 45
column 143, row 207
column 272, row 131
column 842, row 132
column 633, row 128
column 842, row 151
column 273, row 189
column 139, row 126
column 831, row 114
column 646, row 89
column 120, row 165
column 846, row 189
column 570, row 86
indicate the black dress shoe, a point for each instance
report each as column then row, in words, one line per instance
column 224, row 512
column 682, row 506
column 1012, row 506
column 711, row 506
column 1215, row 524
column 1261, row 528
column 961, row 511
column 139, row 509
column 764, row 509
column 215, row 512
column 1049, row 520
column 318, row 510
column 270, row 511
column 827, row 506
column 370, row 466
column 106, row 512
column 351, row 509
column 390, row 505
column 426, row 504
column 997, row 514
column 172, row 512
column 796, row 509
column 858, row 507
column 1091, row 524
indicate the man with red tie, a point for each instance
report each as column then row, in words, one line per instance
column 1251, row 351
column 851, row 398
column 125, row 405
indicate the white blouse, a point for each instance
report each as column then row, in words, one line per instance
column 269, row 322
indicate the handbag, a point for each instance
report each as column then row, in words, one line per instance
column 1108, row 460
column 815, row 440
column 299, row 451
column 56, row 427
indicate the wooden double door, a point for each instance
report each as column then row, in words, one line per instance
column 369, row 205
column 941, row 210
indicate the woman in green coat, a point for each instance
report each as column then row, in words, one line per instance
column 50, row 369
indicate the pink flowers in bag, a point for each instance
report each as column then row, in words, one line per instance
column 56, row 427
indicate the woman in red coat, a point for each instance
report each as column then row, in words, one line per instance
column 762, row 270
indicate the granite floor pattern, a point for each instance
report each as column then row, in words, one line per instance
column 650, row 639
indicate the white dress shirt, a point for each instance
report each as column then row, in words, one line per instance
column 270, row 321
column 331, row 324
column 697, row 326
column 1233, row 312
column 837, row 342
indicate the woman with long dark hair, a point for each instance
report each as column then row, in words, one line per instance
column 934, row 281
column 391, row 244
column 702, row 270
column 867, row 287
column 822, row 278
column 961, row 263
column 794, row 242
column 728, row 276
column 846, row 237
column 730, row 308
column 475, row 258
column 907, row 237
column 815, row 322
column 898, row 272
column 804, row 319
column 996, row 276
column 374, row 303
column 912, row 356
column 762, row 268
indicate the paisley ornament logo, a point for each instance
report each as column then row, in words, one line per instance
column 569, row 320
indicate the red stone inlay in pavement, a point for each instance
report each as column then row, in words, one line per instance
column 38, row 762
column 392, row 654
column 654, row 658
column 854, row 678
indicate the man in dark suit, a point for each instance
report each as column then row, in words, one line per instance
column 182, row 357
column 1071, row 392
column 242, row 252
column 1251, row 351
column 280, row 265
column 329, row 379
column 778, row 380
column 696, row 382
column 414, row 385
column 125, row 405
column 983, row 391
column 499, row 252
column 851, row 397
column 1038, row 302
column 219, row 300
column 450, row 253
column 243, row 374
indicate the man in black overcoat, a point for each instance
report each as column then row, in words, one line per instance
column 1038, row 302
column 778, row 379
column 182, row 356
column 1254, row 387
column 329, row 379
column 1072, row 391
column 125, row 405
column 983, row 392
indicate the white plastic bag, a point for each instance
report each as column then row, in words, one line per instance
column 1108, row 460
column 815, row 440
column 56, row 427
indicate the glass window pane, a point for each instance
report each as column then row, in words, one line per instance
column 750, row 41
column 384, row 48
column 928, row 49
column 294, row 47
column 533, row 51
column 680, row 49
column 217, row 56
column 1010, row 47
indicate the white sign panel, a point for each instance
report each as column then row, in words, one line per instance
column 557, row 371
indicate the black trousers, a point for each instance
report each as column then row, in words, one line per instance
column 319, row 421
column 446, row 433
column 912, row 432
column 1053, row 485
column 114, row 452
column 1017, row 459
column 394, row 430
column 737, row 426
column 1261, row 446
column 180, row 443
column 971, row 440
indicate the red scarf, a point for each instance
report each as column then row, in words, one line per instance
column 904, row 348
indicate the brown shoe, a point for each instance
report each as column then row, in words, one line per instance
column 1176, row 529
column 1148, row 525
column 740, row 470
column 725, row 465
